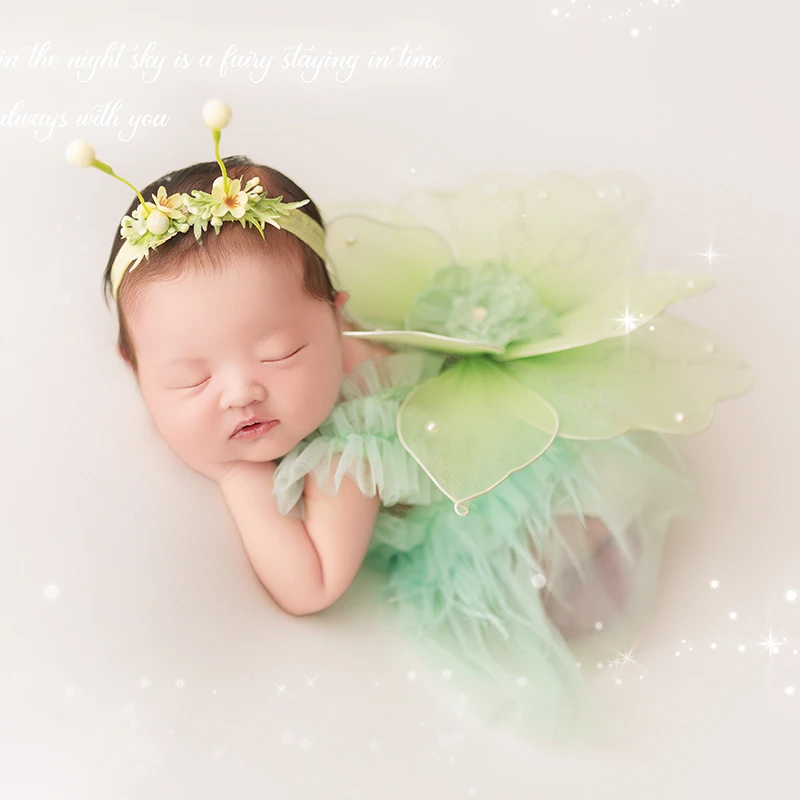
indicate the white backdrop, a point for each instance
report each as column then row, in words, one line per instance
column 139, row 655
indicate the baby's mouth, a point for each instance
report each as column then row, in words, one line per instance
column 252, row 429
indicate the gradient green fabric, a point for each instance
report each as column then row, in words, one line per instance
column 526, row 412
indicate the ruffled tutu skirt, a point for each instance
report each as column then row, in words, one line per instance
column 552, row 571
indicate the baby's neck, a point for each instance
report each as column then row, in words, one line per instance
column 354, row 351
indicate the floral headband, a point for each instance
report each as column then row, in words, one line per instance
column 152, row 224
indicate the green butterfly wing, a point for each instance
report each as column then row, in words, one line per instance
column 472, row 425
column 665, row 377
column 630, row 302
column 425, row 341
column 607, row 361
column 383, row 267
column 569, row 237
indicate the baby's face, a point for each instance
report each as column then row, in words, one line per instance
column 216, row 348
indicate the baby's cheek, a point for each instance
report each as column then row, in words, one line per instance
column 190, row 426
column 313, row 395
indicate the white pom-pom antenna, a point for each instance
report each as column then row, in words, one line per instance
column 216, row 114
column 80, row 153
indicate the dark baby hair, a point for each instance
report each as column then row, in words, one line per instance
column 183, row 252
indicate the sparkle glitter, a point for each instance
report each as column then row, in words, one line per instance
column 628, row 320
column 710, row 254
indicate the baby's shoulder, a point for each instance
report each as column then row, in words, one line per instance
column 391, row 372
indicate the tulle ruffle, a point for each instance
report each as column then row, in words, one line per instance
column 362, row 428
column 489, row 303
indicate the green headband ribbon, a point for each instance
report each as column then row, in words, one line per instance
column 152, row 224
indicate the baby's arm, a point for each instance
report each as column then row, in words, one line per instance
column 305, row 566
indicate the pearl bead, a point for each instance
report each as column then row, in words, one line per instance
column 538, row 581
column 479, row 313
column 350, row 239
column 157, row 222
column 679, row 417
column 432, row 426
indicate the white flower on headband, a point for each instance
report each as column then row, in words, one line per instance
column 172, row 206
column 233, row 200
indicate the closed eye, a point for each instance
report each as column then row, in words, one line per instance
column 266, row 361
column 285, row 358
column 196, row 384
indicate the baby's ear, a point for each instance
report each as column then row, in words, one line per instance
column 122, row 354
column 340, row 300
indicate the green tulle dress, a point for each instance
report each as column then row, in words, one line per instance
column 519, row 433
